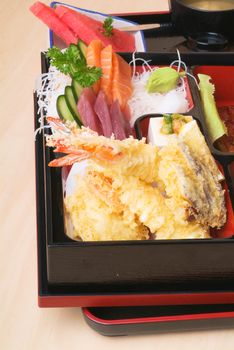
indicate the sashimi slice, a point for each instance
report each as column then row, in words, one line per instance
column 127, row 127
column 121, row 81
column 102, row 110
column 107, row 71
column 89, row 29
column 122, row 41
column 80, row 24
column 93, row 58
column 127, row 113
column 85, row 107
column 117, row 119
column 48, row 16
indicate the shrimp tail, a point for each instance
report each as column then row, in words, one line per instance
column 69, row 159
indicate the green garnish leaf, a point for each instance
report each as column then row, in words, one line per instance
column 173, row 123
column 167, row 118
column 108, row 27
column 87, row 76
column 167, row 127
column 64, row 61
column 71, row 62
column 216, row 127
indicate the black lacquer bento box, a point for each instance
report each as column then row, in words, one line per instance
column 164, row 272
column 139, row 286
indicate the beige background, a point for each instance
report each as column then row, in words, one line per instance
column 22, row 324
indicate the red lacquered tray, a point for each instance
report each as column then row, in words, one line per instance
column 222, row 78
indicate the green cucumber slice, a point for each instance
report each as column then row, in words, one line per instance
column 77, row 89
column 82, row 47
column 63, row 110
column 72, row 105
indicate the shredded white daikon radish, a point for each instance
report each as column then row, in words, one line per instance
column 48, row 87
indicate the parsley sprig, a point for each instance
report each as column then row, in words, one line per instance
column 108, row 27
column 71, row 62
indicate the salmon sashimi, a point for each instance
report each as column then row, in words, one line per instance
column 93, row 58
column 121, row 81
column 107, row 72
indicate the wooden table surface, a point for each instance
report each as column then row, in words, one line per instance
column 22, row 324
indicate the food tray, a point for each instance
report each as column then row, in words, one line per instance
column 90, row 273
column 157, row 319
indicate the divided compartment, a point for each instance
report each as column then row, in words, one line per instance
column 142, row 126
column 222, row 78
column 142, row 267
column 188, row 87
column 195, row 110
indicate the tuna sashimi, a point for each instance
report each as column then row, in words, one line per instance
column 107, row 71
column 122, row 41
column 48, row 16
column 93, row 58
column 102, row 110
column 118, row 121
column 85, row 107
column 121, row 80
column 127, row 113
column 78, row 23
column 127, row 127
column 89, row 29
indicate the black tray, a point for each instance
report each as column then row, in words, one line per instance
column 126, row 267
column 118, row 321
column 167, row 39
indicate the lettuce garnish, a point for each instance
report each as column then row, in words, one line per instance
column 215, row 126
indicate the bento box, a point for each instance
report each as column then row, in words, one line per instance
column 130, row 272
